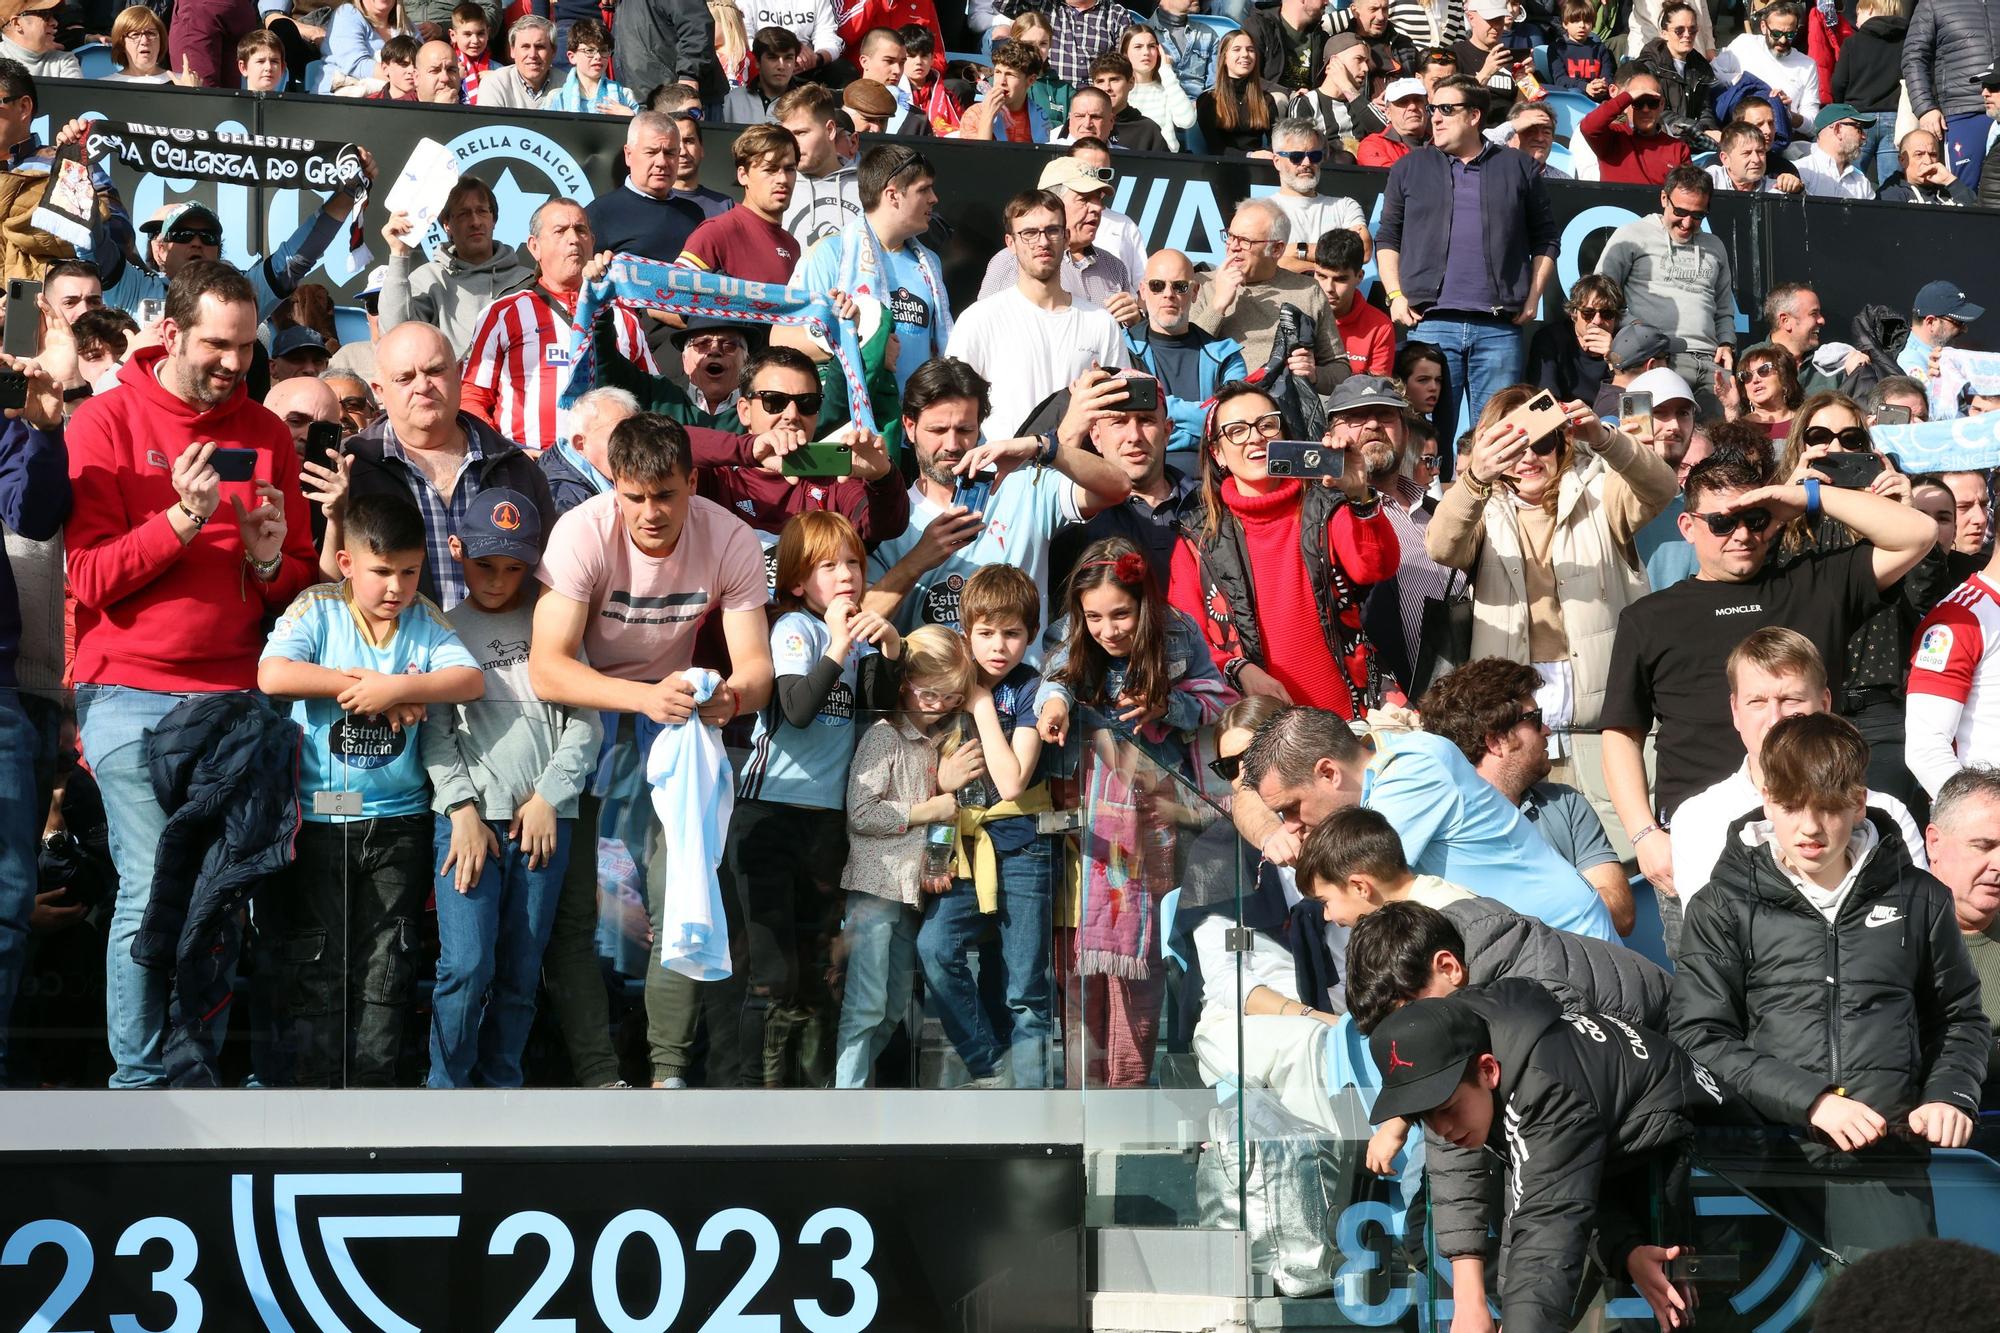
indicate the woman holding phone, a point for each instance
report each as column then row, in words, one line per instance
column 1543, row 516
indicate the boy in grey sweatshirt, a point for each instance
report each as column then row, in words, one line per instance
column 507, row 771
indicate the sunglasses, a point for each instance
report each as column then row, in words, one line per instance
column 1761, row 371
column 1180, row 286
column 1428, row 460
column 1532, row 717
column 1305, row 157
column 1545, row 446
column 182, row 236
column 1683, row 30
column 1648, row 103
column 714, row 344
column 1721, row 525
column 1782, row 37
column 1694, row 215
column 1445, row 108
column 1851, row 437
column 1227, row 767
column 1105, row 174
column 1597, row 314
column 774, row 402
column 356, row 405
column 1269, row 427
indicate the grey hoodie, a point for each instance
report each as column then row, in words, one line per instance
column 1685, row 291
column 448, row 292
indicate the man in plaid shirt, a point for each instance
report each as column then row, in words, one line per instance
column 1083, row 32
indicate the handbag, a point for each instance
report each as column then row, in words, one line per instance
column 1444, row 634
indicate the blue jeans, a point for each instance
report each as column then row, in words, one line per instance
column 1878, row 150
column 881, row 974
column 1965, row 147
column 20, row 828
column 490, row 945
column 983, row 1020
column 113, row 721
column 1483, row 355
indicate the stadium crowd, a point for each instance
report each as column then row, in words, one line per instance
column 374, row 697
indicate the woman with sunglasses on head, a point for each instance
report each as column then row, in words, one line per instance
column 1546, row 526
column 1273, row 568
column 1568, row 357
column 1627, row 133
column 1156, row 90
column 1764, row 388
column 1236, row 115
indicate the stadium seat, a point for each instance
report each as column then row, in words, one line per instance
column 1560, row 159
column 95, row 57
column 314, row 73
column 1568, row 108
column 1540, row 56
column 350, row 324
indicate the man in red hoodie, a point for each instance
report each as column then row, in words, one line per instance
column 187, row 530
column 1633, row 151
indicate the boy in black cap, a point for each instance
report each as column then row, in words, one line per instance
column 1596, row 1114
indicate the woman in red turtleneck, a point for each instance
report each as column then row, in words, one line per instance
column 1274, row 568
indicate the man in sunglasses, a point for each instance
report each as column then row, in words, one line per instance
column 1678, row 277
column 1672, row 645
column 1187, row 360
column 1772, row 51
column 1298, row 147
column 1829, row 167
column 1626, row 134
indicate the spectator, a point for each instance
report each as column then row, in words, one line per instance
column 1959, row 843
column 870, row 106
column 1546, row 529
column 1531, row 127
column 1923, row 177
column 519, row 358
column 1773, row 674
column 167, row 604
column 1130, row 129
column 471, row 271
column 815, row 26
column 1678, row 278
column 1488, row 709
column 471, row 30
column 1297, row 150
column 1488, row 54
column 1673, row 644
column 1580, row 63
column 1082, row 33
column 1434, row 65
column 1743, row 163
column 1007, row 114
column 1307, row 763
column 101, row 338
column 1366, row 332
column 1050, row 92
column 528, row 81
column 916, row 579
column 1568, row 358
column 1639, row 150
column 1460, row 189
column 1409, row 116
column 1090, row 274
column 1235, row 115
column 1423, row 371
column 395, row 77
column 1245, row 299
column 643, row 217
column 30, row 35
column 749, row 241
column 138, row 41
column 1950, row 721
column 1189, row 362
column 880, row 56
column 1948, row 51
column 1830, row 167
column 1294, row 630
column 1163, row 498
column 355, row 35
column 1156, row 91
column 1764, row 389
column 358, row 408
column 1988, row 188
column 826, row 197
column 1190, row 47
column 298, row 350
column 777, row 50
column 1930, row 495
column 1290, row 43
column 580, row 465
column 630, row 574
column 1938, row 318
column 1339, row 105
column 261, row 62
column 590, row 86
column 24, row 248
column 1655, row 19
column 713, row 354
column 687, row 167
column 1869, row 76
column 438, row 77
column 1428, row 27
column 1116, row 231
column 1969, row 491
column 301, row 403
column 1678, row 57
column 1770, row 53
column 1672, row 434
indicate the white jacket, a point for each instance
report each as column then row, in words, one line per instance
column 694, row 794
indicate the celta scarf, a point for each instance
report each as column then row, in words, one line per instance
column 265, row 160
column 1963, row 444
column 864, row 271
column 646, row 284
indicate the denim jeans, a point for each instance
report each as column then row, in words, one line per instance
column 490, row 945
column 1878, row 150
column 345, row 927
column 571, row 972
column 1483, row 355
column 112, row 722
column 20, row 829
column 881, row 939
column 1013, row 1018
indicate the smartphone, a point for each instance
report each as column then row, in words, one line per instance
column 1636, row 406
column 824, row 459
column 1890, row 415
column 1304, row 458
column 323, row 443
column 24, row 318
column 1849, row 469
column 1142, row 394
column 234, row 464
column 1541, row 416
column 13, row 389
column 974, row 491
column 149, row 312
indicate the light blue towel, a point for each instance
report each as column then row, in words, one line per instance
column 694, row 795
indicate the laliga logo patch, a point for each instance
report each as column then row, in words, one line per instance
column 506, row 517
column 1934, row 650
column 528, row 170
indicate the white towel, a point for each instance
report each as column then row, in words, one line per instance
column 693, row 794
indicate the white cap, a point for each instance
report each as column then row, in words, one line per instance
column 1490, row 9
column 1398, row 89
column 1664, row 385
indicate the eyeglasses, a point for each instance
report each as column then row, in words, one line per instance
column 1694, row 215
column 1428, row 460
column 1231, row 241
column 1053, row 235
column 1180, row 286
column 1532, row 716
column 1721, row 525
column 714, row 344
column 936, row 699
column 183, row 236
column 587, row 51
column 1852, row 437
column 1647, row 103
column 774, row 402
column 1597, row 314
column 1305, row 157
column 1226, row 767
column 1445, row 108
column 1269, row 426
column 356, row 405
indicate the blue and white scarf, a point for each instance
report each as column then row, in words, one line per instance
column 645, row 284
column 864, row 271
column 1966, row 444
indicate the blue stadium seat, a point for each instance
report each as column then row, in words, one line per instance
column 1568, row 108
column 1223, row 26
column 1540, row 57
column 95, row 57
column 1560, row 159
column 350, row 324
column 314, row 73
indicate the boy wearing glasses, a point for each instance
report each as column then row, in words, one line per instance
column 1673, row 645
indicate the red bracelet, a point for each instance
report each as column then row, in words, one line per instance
column 735, row 703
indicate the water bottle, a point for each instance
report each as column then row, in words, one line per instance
column 937, row 867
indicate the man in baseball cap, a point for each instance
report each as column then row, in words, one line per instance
column 299, row 350
column 1938, row 318
column 1597, row 1115
column 1408, row 113
column 1829, row 167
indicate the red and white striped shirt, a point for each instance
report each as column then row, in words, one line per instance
column 1953, row 699
column 519, row 363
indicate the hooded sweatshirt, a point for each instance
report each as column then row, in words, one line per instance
column 1686, row 291
column 449, row 292
column 151, row 613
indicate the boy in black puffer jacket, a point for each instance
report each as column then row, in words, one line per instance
column 1823, row 977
